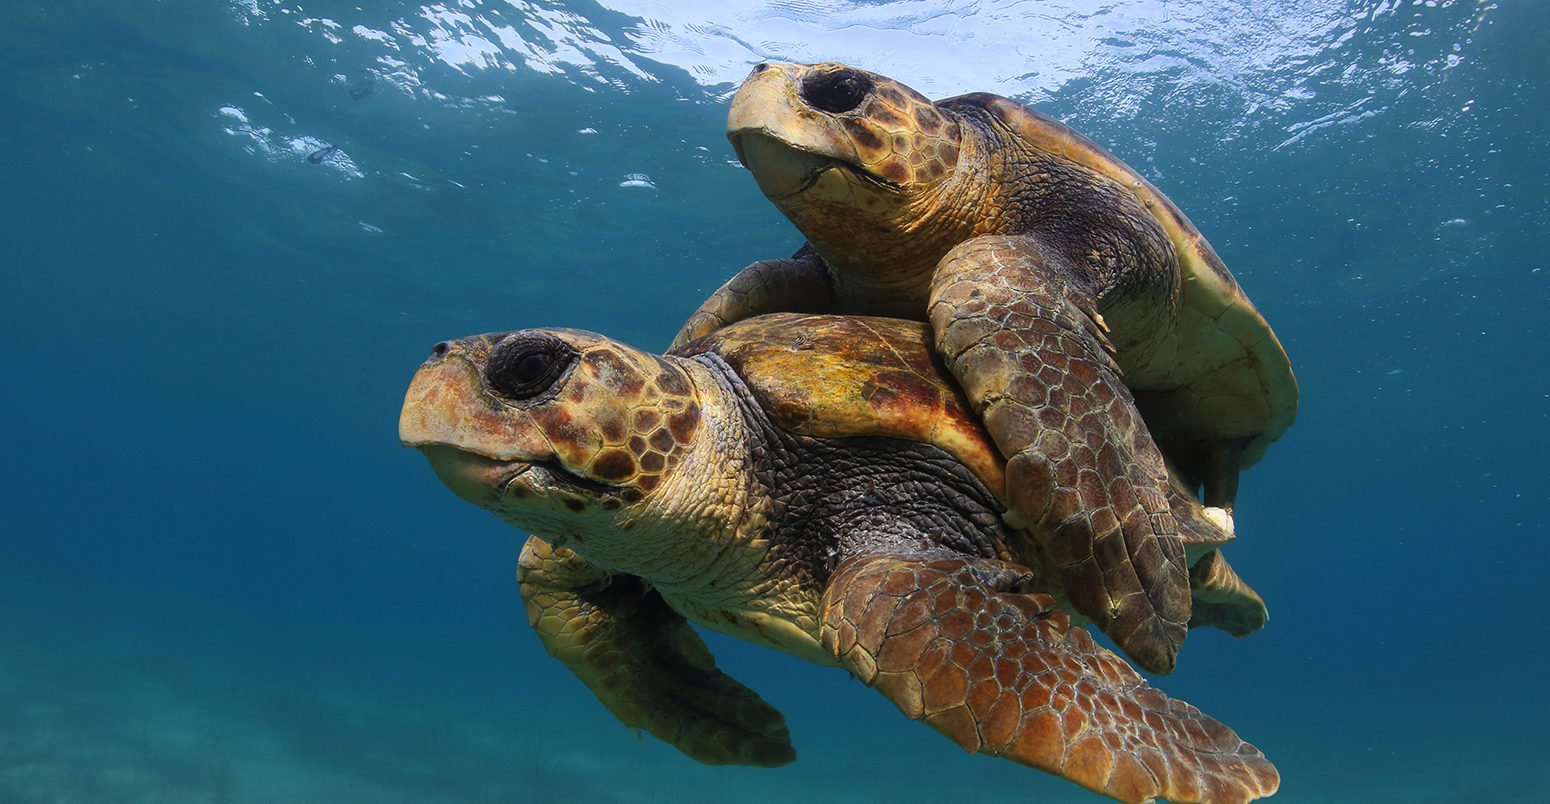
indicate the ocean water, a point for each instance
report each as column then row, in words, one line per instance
column 222, row 580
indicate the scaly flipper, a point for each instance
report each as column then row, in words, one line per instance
column 644, row 661
column 1082, row 473
column 1222, row 600
column 1218, row 597
column 797, row 285
column 952, row 641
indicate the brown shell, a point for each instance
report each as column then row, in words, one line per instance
column 847, row 376
column 1256, row 392
column 835, row 376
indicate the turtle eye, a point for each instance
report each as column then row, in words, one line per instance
column 836, row 92
column 526, row 364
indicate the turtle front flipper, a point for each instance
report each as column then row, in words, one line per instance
column 956, row 642
column 644, row 661
column 797, row 285
column 1083, row 473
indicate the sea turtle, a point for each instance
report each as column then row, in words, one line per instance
column 1026, row 246
column 818, row 485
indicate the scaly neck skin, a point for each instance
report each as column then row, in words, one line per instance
column 700, row 539
column 882, row 261
column 687, row 535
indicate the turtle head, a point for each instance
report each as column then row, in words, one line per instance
column 851, row 157
column 832, row 131
column 562, row 433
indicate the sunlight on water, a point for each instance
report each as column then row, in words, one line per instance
column 1142, row 77
column 1292, row 61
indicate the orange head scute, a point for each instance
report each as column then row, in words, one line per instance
column 637, row 411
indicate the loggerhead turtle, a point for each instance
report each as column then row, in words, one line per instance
column 817, row 485
column 1028, row 247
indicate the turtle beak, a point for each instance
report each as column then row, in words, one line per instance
column 470, row 476
column 447, row 405
column 475, row 448
column 785, row 143
column 437, row 407
column 767, row 97
column 755, row 124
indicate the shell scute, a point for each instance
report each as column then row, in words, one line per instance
column 856, row 376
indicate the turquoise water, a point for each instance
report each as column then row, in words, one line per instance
column 223, row 580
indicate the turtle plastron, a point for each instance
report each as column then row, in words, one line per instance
column 1083, row 473
column 953, row 642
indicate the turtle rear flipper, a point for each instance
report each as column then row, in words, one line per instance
column 1218, row 597
column 953, row 642
column 1083, row 473
column 645, row 663
column 1222, row 600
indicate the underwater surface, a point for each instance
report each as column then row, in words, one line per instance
column 232, row 231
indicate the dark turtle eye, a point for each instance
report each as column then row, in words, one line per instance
column 836, row 92
column 526, row 364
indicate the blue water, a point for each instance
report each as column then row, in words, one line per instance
column 222, row 580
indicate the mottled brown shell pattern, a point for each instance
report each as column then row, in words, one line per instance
column 845, row 376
